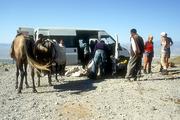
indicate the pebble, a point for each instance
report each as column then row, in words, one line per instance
column 56, row 103
column 153, row 108
column 3, row 102
column 11, row 98
column 15, row 110
column 6, row 69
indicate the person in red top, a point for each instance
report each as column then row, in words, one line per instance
column 148, row 54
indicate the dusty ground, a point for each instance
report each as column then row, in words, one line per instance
column 154, row 97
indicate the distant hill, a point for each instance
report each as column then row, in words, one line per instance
column 4, row 51
column 175, row 49
column 176, row 60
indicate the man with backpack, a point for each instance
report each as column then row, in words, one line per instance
column 136, row 54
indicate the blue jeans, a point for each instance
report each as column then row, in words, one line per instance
column 99, row 59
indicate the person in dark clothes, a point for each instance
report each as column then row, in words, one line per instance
column 100, row 57
column 86, row 55
column 136, row 54
column 92, row 46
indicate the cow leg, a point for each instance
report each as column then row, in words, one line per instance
column 49, row 79
column 56, row 72
column 25, row 68
column 32, row 75
column 38, row 75
column 17, row 75
column 22, row 78
column 62, row 70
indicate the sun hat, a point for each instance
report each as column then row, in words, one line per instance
column 163, row 34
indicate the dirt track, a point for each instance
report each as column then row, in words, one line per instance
column 154, row 97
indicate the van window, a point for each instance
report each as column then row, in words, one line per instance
column 69, row 41
column 108, row 39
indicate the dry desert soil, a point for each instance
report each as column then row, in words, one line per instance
column 153, row 97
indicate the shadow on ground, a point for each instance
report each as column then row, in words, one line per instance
column 77, row 86
column 165, row 78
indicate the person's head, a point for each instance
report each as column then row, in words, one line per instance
column 133, row 32
column 102, row 41
column 150, row 38
column 163, row 34
column 40, row 36
column 61, row 42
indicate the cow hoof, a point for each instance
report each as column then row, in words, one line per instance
column 27, row 86
column 19, row 92
column 34, row 91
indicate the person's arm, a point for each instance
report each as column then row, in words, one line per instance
column 145, row 46
column 163, row 42
column 171, row 42
column 153, row 50
column 95, row 48
column 133, row 45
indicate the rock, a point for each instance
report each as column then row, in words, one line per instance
column 171, row 64
column 56, row 103
column 15, row 110
column 153, row 108
column 72, row 70
column 3, row 102
column 76, row 74
column 5, row 118
column 10, row 98
column 6, row 69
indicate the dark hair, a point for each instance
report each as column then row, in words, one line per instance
column 133, row 30
column 102, row 41
column 40, row 36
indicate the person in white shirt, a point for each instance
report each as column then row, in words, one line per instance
column 136, row 54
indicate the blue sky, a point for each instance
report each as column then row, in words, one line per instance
column 114, row 16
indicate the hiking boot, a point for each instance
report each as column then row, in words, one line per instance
column 127, row 78
column 135, row 79
column 92, row 75
column 160, row 69
column 144, row 71
column 149, row 71
column 164, row 72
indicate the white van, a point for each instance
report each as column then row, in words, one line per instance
column 73, row 38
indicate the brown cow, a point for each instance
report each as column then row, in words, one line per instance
column 21, row 52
